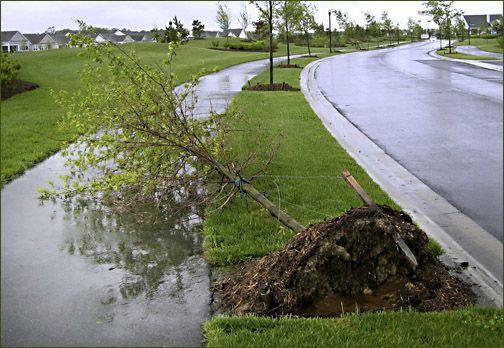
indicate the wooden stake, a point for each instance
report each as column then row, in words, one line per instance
column 366, row 199
column 359, row 190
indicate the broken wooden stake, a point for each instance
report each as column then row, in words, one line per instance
column 359, row 190
column 366, row 199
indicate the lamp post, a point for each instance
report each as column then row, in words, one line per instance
column 469, row 33
column 330, row 41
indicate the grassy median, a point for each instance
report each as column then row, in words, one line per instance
column 302, row 178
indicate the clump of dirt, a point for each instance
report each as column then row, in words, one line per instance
column 349, row 262
column 274, row 87
column 16, row 87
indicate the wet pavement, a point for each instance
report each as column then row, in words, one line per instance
column 72, row 276
column 441, row 120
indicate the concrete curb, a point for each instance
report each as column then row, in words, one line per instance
column 437, row 217
column 466, row 61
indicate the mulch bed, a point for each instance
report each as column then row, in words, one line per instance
column 235, row 50
column 349, row 262
column 16, row 87
column 274, row 87
column 283, row 66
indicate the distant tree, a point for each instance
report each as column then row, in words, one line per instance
column 267, row 11
column 443, row 13
column 261, row 28
column 497, row 25
column 223, row 17
column 387, row 25
column 411, row 27
column 50, row 30
column 244, row 19
column 372, row 26
column 155, row 34
column 175, row 32
column 289, row 14
column 307, row 21
column 197, row 28
column 460, row 27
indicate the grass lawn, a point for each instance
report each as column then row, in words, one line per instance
column 489, row 45
column 29, row 120
column 243, row 229
column 471, row 327
column 456, row 55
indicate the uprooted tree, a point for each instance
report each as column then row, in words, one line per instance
column 144, row 143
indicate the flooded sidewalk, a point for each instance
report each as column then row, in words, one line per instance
column 74, row 276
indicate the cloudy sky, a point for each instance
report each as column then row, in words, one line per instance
column 37, row 16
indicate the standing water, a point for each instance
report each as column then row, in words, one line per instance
column 75, row 276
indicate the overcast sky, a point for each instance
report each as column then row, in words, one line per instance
column 37, row 16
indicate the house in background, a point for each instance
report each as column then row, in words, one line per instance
column 41, row 42
column 482, row 22
column 238, row 33
column 14, row 41
column 116, row 39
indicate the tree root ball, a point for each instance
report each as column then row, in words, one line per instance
column 347, row 263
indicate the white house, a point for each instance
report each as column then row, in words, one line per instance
column 14, row 41
column 117, row 39
column 41, row 42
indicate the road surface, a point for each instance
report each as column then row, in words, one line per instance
column 441, row 120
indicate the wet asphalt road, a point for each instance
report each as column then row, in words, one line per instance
column 441, row 120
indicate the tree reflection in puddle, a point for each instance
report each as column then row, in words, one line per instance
column 147, row 247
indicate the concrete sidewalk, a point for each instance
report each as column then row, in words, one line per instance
column 437, row 217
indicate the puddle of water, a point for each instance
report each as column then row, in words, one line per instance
column 332, row 305
column 75, row 276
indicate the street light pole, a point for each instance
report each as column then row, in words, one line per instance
column 469, row 34
column 330, row 41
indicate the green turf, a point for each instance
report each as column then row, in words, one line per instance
column 471, row 327
column 29, row 120
column 243, row 229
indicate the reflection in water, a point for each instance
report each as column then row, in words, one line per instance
column 148, row 251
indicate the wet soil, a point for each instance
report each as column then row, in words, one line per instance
column 16, row 87
column 347, row 263
column 235, row 50
column 274, row 87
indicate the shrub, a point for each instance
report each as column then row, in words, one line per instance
column 488, row 36
column 10, row 69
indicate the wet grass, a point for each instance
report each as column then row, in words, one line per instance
column 489, row 45
column 29, row 131
column 456, row 55
column 308, row 154
column 471, row 327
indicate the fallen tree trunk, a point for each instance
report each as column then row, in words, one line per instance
column 260, row 198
